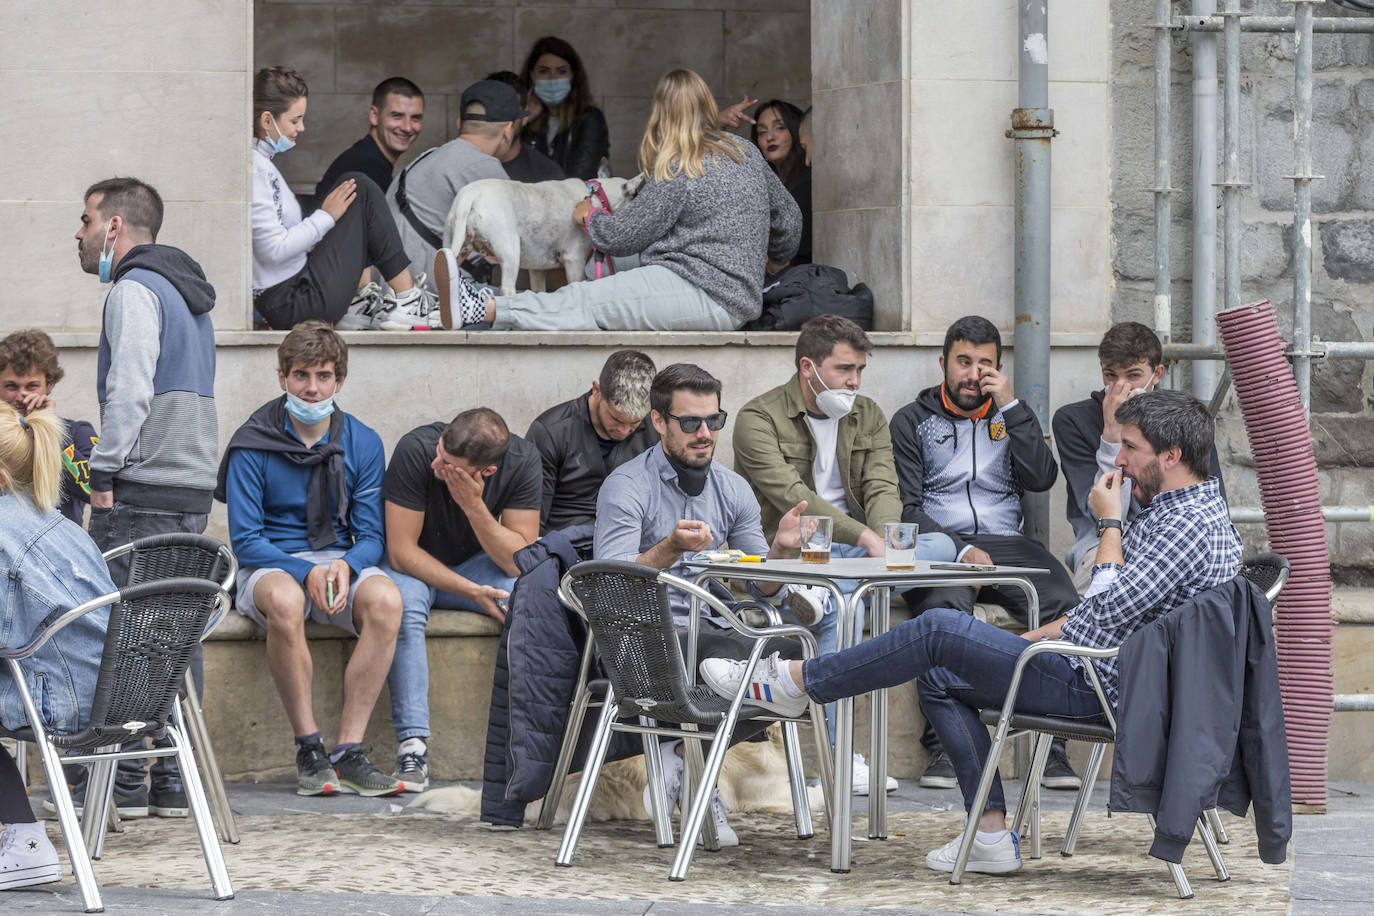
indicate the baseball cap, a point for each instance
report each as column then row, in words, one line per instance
column 499, row 101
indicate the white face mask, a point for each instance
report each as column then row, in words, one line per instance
column 833, row 402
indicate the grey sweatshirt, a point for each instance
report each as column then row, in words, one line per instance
column 712, row 231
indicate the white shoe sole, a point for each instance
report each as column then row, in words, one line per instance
column 31, row 875
column 445, row 271
column 127, row 812
column 411, row 785
column 1073, row 783
column 727, row 691
column 977, row 866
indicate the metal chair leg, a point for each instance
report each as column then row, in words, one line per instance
column 691, row 777
column 99, row 809
column 199, row 734
column 1023, row 804
column 796, row 779
column 200, row 808
column 1185, row 890
column 21, row 760
column 1214, row 819
column 1084, row 794
column 1029, row 809
column 590, row 773
column 576, row 713
column 980, row 798
column 699, row 819
column 659, row 811
column 71, row 829
column 826, row 757
column 1212, row 852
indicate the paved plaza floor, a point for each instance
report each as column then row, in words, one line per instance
column 354, row 855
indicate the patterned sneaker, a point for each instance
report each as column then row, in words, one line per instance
column 723, row 675
column 461, row 301
column 364, row 311
column 412, row 765
column 314, row 773
column 27, row 857
column 358, row 775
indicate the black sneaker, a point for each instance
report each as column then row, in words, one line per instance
column 129, row 807
column 358, row 775
column 314, row 773
column 939, row 772
column 168, row 801
column 1058, row 773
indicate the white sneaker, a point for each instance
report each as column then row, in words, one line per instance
column 363, row 311
column 673, row 766
column 861, row 777
column 997, row 858
column 410, row 312
column 807, row 602
column 27, row 857
column 723, row 675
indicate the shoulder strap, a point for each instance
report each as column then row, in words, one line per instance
column 426, row 233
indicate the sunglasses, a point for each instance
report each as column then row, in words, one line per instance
column 715, row 422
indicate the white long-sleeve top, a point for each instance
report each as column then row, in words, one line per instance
column 280, row 237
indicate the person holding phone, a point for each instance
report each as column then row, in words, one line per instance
column 965, row 452
column 303, row 483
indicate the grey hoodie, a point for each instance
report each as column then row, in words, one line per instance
column 155, row 378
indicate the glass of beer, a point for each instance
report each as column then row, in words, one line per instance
column 900, row 538
column 815, row 538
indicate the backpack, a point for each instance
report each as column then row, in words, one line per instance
column 806, row 290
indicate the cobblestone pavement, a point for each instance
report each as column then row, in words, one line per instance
column 342, row 853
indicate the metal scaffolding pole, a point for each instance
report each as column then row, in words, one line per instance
column 1204, row 46
column 1321, row 25
column 1032, row 128
column 1231, row 184
column 1302, row 198
column 1164, row 204
column 1330, row 513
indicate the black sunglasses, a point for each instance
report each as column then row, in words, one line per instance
column 715, row 422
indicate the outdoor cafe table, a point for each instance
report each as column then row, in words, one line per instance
column 877, row 579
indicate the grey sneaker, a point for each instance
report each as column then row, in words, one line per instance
column 939, row 772
column 365, row 310
column 412, row 765
column 359, row 776
column 129, row 807
column 314, row 773
column 1059, row 772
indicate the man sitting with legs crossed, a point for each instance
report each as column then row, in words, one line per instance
column 1180, row 544
column 303, row 482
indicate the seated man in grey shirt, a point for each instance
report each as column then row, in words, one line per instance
column 666, row 504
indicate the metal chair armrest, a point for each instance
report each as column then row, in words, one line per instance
column 728, row 615
column 45, row 632
column 1064, row 648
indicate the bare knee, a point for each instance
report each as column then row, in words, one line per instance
column 281, row 601
column 377, row 607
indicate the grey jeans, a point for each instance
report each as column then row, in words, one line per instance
column 650, row 298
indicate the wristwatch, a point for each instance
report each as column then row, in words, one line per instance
column 1104, row 523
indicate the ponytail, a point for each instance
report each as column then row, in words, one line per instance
column 31, row 455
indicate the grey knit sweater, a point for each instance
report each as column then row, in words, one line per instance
column 712, row 231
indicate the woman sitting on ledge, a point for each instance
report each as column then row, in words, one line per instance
column 52, row 564
column 710, row 216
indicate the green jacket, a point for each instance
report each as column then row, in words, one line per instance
column 775, row 452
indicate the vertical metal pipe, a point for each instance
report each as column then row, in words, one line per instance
column 1231, row 183
column 1032, row 127
column 1163, row 191
column 1302, row 198
column 1204, row 45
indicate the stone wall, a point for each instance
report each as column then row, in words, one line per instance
column 345, row 47
column 141, row 91
column 1343, row 231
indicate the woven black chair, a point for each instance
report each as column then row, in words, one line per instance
column 172, row 556
column 151, row 633
column 627, row 609
column 1268, row 571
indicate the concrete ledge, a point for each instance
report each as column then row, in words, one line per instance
column 1353, row 605
column 442, row 624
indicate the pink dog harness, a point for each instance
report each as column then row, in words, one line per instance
column 600, row 204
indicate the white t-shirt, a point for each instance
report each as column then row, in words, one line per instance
column 826, row 468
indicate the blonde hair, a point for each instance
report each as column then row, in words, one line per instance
column 684, row 130
column 31, row 455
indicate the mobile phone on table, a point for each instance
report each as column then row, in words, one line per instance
column 964, row 567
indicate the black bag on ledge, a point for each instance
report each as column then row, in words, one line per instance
column 804, row 291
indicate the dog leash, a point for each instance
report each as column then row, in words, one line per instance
column 600, row 203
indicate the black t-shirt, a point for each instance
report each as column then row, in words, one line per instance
column 532, row 165
column 447, row 535
column 801, row 193
column 364, row 156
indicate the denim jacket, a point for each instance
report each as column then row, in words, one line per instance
column 50, row 566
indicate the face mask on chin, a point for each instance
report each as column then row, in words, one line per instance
column 308, row 412
column 833, row 402
column 281, row 144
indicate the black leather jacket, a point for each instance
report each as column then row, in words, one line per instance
column 579, row 149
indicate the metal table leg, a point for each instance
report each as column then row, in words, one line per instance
column 880, row 619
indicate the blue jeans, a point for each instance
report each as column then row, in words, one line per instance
column 960, row 665
column 935, row 547
column 409, row 677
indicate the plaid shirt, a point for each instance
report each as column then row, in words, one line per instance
column 1181, row 544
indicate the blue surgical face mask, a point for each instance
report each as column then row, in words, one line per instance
column 281, row 144
column 553, row 92
column 106, row 257
column 309, row 412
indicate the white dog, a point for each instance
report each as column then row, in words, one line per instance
column 519, row 224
